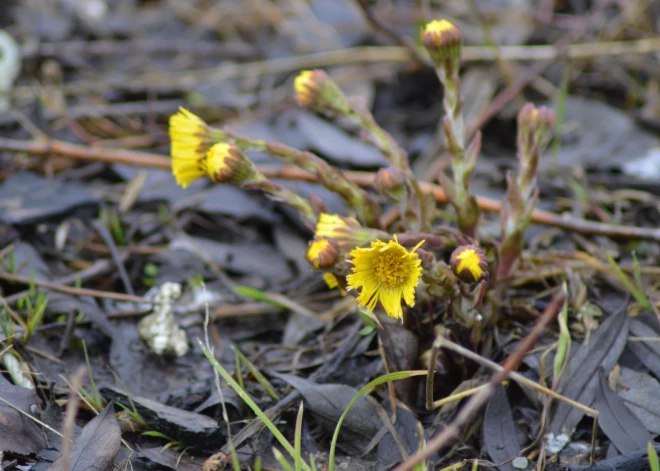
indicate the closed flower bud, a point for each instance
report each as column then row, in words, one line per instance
column 536, row 122
column 469, row 264
column 317, row 92
column 226, row 163
column 392, row 183
column 322, row 253
column 443, row 41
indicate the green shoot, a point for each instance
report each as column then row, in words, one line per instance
column 282, row 460
column 564, row 343
column 298, row 439
column 171, row 443
column 635, row 290
column 376, row 382
column 251, row 404
column 96, row 397
column 239, row 374
column 653, row 458
column 257, row 374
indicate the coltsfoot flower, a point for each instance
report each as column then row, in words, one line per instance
column 226, row 163
column 191, row 140
column 385, row 272
column 322, row 253
column 442, row 40
column 189, row 146
column 332, row 282
column 317, row 92
column 222, row 163
column 469, row 264
column 348, row 232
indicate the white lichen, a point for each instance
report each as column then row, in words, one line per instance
column 554, row 444
column 159, row 330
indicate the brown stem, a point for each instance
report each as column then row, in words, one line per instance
column 364, row 179
column 477, row 401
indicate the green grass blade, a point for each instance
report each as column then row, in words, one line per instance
column 636, row 292
column 261, row 379
column 653, row 458
column 298, row 439
column 251, row 404
column 376, row 382
column 282, row 460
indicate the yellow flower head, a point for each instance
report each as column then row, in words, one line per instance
column 386, row 272
column 188, row 134
column 332, row 282
column 226, row 163
column 322, row 253
column 334, row 226
column 316, row 91
column 442, row 40
column 469, row 264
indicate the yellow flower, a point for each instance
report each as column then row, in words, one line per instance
column 316, row 91
column 469, row 264
column 332, row 282
column 189, row 146
column 226, row 163
column 334, row 226
column 386, row 272
column 322, row 253
column 442, row 40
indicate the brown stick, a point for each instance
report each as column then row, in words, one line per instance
column 24, row 280
column 365, row 179
column 479, row 400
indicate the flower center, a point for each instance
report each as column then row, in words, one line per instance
column 390, row 268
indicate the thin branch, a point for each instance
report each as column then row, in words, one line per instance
column 364, row 179
column 451, row 432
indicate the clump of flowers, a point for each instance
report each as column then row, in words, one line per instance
column 392, row 264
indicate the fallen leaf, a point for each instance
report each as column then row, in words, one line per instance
column 580, row 378
column 623, row 429
column 328, row 402
column 96, row 446
column 641, row 394
column 500, row 434
column 18, row 433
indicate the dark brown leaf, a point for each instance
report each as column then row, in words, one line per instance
column 647, row 352
column 623, row 429
column 500, row 435
column 18, row 434
column 96, row 446
column 580, row 379
column 328, row 402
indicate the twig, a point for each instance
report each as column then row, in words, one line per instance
column 107, row 238
column 75, row 291
column 364, row 179
column 364, row 54
column 98, row 268
column 70, row 417
column 381, row 26
column 479, row 400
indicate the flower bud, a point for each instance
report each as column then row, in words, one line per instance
column 443, row 41
column 317, row 92
column 392, row 183
column 226, row 163
column 347, row 232
column 333, row 282
column 322, row 253
column 535, row 124
column 469, row 264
